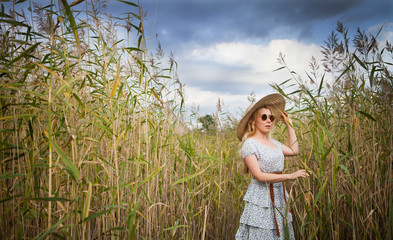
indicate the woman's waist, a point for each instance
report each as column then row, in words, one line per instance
column 264, row 184
column 271, row 168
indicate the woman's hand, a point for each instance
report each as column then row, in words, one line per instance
column 299, row 174
column 293, row 146
column 286, row 119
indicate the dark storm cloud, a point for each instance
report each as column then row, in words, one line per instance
column 209, row 21
column 303, row 11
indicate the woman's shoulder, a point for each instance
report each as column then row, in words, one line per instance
column 248, row 141
column 249, row 147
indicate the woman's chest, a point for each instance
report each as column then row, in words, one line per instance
column 270, row 160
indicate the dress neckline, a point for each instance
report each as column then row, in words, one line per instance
column 263, row 145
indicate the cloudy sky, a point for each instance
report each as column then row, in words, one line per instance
column 228, row 49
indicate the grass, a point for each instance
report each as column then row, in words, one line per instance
column 94, row 142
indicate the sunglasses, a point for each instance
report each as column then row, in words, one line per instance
column 264, row 117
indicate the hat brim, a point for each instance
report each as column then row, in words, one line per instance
column 276, row 103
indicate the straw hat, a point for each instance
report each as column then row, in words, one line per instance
column 275, row 102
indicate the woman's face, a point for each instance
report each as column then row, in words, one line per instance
column 263, row 126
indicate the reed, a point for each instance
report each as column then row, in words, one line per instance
column 94, row 141
column 344, row 121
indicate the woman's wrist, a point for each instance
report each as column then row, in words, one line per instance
column 289, row 176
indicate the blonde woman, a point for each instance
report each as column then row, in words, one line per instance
column 265, row 214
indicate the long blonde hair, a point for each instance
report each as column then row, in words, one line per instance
column 250, row 131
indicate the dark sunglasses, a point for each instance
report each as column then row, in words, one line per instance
column 264, row 117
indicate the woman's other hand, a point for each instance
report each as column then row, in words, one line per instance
column 299, row 174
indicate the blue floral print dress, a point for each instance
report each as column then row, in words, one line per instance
column 257, row 220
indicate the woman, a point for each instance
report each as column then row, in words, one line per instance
column 265, row 214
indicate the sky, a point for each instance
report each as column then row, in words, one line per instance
column 228, row 49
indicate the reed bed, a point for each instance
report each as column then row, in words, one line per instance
column 344, row 123
column 95, row 143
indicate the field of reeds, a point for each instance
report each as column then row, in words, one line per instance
column 95, row 143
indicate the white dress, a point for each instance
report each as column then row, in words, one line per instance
column 257, row 220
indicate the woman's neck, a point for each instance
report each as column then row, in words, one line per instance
column 261, row 136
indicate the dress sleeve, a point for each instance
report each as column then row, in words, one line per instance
column 248, row 149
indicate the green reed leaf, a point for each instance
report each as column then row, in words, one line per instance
column 10, row 175
column 69, row 166
column 86, row 206
column 95, row 215
column 320, row 192
column 148, row 177
column 51, row 229
column 106, row 129
column 18, row 116
column 76, row 2
column 278, row 69
column 70, row 16
column 51, row 199
column 128, row 2
column 367, row 115
column 25, row 53
column 361, row 63
column 14, row 23
column 321, row 84
column 132, row 220
column 187, row 178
